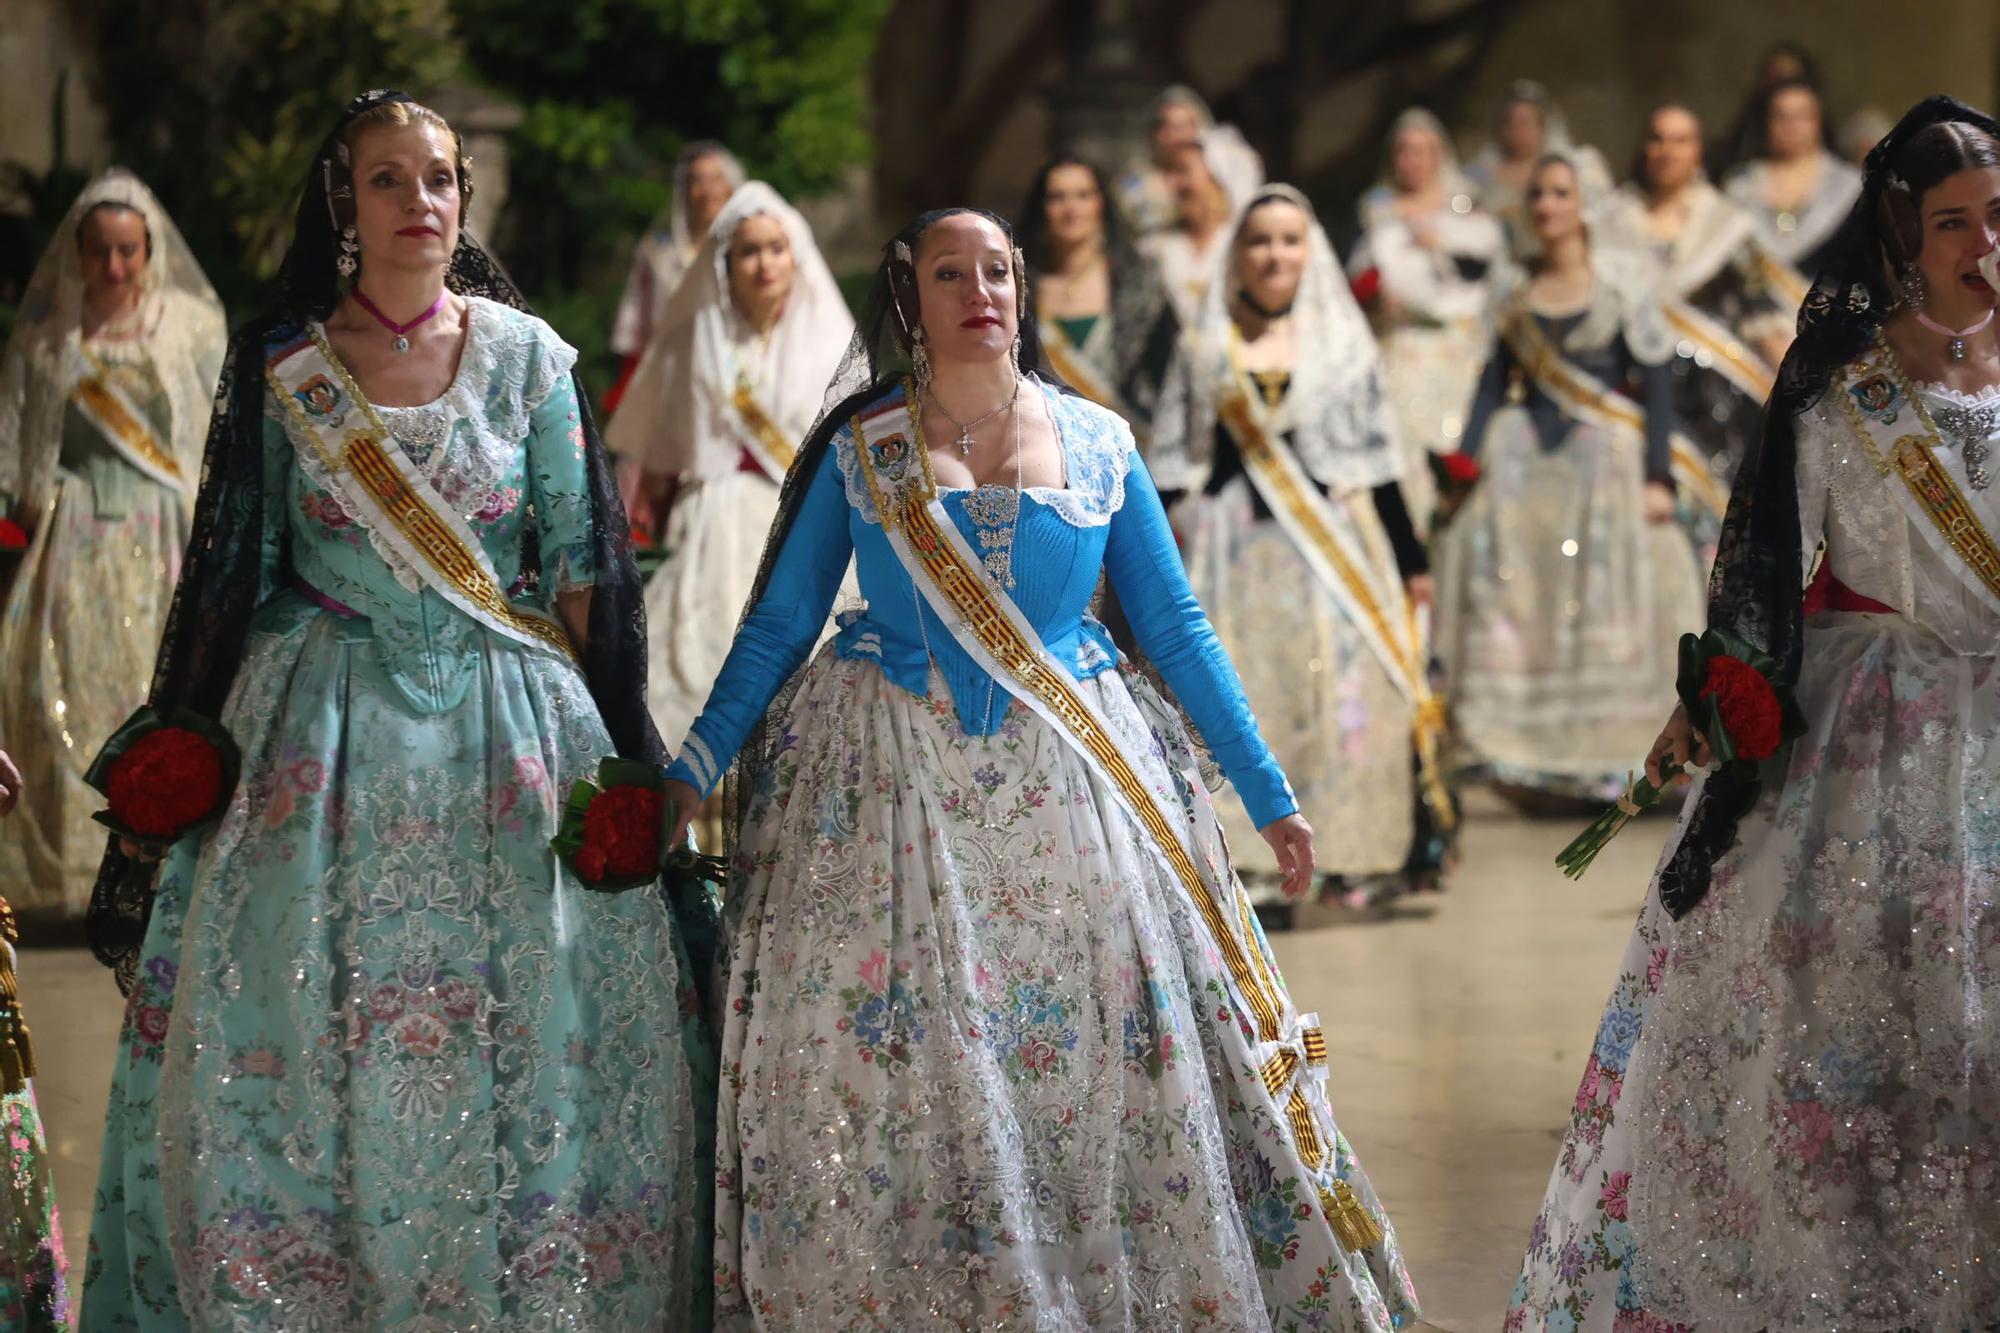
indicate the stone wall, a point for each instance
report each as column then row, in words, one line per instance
column 36, row 47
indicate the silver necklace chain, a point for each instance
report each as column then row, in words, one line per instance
column 965, row 440
column 1003, row 574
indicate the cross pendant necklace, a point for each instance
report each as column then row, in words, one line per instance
column 965, row 440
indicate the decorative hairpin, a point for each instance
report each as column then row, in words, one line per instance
column 1857, row 299
column 903, row 252
column 326, row 179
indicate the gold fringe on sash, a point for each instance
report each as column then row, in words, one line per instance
column 17, row 1049
column 1353, row 1225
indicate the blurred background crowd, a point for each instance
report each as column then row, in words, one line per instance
column 863, row 110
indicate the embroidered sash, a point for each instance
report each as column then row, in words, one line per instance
column 1790, row 285
column 1077, row 369
column 1286, row 1049
column 1897, row 431
column 1583, row 396
column 767, row 443
column 124, row 427
column 1729, row 356
column 1383, row 617
column 380, row 484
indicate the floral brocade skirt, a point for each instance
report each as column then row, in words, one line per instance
column 1560, row 611
column 715, row 538
column 78, row 634
column 1790, row 1119
column 975, row 1060
column 1333, row 718
column 34, row 1272
column 387, row 1064
column 1430, row 372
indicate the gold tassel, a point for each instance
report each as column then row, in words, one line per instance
column 1352, row 1225
column 17, row 1051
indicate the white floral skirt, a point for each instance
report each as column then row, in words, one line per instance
column 1325, row 703
column 78, row 635
column 1430, row 372
column 715, row 537
column 973, row 1069
column 1791, row 1117
column 1560, row 611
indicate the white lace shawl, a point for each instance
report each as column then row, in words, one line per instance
column 1838, row 187
column 1340, row 419
column 1624, row 299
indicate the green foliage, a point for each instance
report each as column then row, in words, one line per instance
column 219, row 104
column 612, row 89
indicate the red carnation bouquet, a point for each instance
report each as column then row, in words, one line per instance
column 1454, row 474
column 1730, row 692
column 610, row 833
column 164, row 775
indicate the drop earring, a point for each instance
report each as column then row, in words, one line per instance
column 1915, row 294
column 920, row 361
column 348, row 263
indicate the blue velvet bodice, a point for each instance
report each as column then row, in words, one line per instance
column 1107, row 518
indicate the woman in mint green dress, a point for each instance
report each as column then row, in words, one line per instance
column 386, row 1063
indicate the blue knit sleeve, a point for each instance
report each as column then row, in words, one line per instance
column 779, row 632
column 1145, row 569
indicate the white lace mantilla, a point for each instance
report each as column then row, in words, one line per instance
column 1097, row 453
column 468, row 439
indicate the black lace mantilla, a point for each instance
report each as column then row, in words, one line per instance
column 1757, row 589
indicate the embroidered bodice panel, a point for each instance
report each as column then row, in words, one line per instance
column 1053, row 543
column 1872, row 543
column 502, row 447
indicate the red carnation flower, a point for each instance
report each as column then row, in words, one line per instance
column 1367, row 285
column 168, row 781
column 1461, row 468
column 13, row 537
column 1748, row 706
column 621, row 833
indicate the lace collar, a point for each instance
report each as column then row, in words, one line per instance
column 1097, row 451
